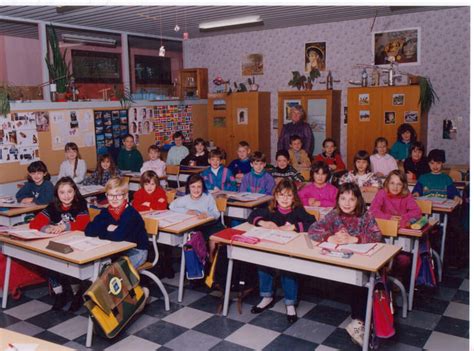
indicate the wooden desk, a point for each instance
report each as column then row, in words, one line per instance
column 16, row 215
column 11, row 337
column 83, row 265
column 297, row 257
column 91, row 190
column 242, row 210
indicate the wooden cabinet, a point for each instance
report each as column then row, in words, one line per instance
column 237, row 117
column 193, row 82
column 378, row 112
column 323, row 113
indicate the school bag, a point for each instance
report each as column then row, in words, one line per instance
column 195, row 256
column 21, row 275
column 425, row 274
column 382, row 310
column 115, row 297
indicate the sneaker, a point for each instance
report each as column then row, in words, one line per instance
column 61, row 299
column 356, row 330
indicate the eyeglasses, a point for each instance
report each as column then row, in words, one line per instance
column 115, row 196
column 288, row 196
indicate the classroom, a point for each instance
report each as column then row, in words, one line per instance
column 194, row 177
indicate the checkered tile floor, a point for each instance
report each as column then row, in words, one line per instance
column 439, row 321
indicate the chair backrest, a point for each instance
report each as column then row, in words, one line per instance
column 388, row 227
column 315, row 213
column 455, row 175
column 425, row 206
column 172, row 169
column 151, row 225
column 170, row 195
column 221, row 203
column 127, row 180
column 93, row 212
column 305, row 173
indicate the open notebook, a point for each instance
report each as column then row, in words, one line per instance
column 168, row 218
column 26, row 234
column 362, row 249
column 272, row 235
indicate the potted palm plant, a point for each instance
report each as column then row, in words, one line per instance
column 301, row 81
column 59, row 72
column 4, row 100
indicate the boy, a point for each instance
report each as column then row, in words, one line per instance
column 258, row 180
column 283, row 168
column 155, row 164
column 241, row 166
column 436, row 183
column 129, row 158
column 330, row 156
column 177, row 152
column 298, row 157
column 217, row 177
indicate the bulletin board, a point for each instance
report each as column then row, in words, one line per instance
column 72, row 126
column 170, row 119
column 140, row 122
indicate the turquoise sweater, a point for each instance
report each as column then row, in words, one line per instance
column 400, row 150
column 130, row 160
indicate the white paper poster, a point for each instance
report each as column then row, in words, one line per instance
column 140, row 121
column 76, row 126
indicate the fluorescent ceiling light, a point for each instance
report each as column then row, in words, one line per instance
column 74, row 38
column 230, row 22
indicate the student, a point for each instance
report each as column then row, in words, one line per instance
column 319, row 192
column 382, row 163
column 177, row 152
column 394, row 201
column 38, row 189
column 348, row 223
column 406, row 136
column 241, row 166
column 155, row 164
column 258, row 180
column 68, row 211
column 298, row 156
column 286, row 213
column 198, row 156
column 151, row 195
column 104, row 170
column 417, row 164
column 216, row 176
column 436, row 183
column 74, row 166
column 361, row 174
column 331, row 156
column 283, row 169
column 129, row 158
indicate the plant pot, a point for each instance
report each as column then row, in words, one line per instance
column 413, row 80
column 61, row 97
column 254, row 87
column 308, row 86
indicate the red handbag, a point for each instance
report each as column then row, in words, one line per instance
column 21, row 275
column 382, row 312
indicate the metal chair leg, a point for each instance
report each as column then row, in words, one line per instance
column 404, row 295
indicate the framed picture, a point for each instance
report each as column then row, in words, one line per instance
column 242, row 116
column 403, row 45
column 364, row 115
column 398, row 99
column 364, row 99
column 449, row 129
column 252, row 65
column 389, row 117
column 287, row 105
column 152, row 69
column 411, row 117
column 315, row 56
column 345, row 115
column 96, row 67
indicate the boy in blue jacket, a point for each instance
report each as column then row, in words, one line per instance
column 38, row 189
column 217, row 177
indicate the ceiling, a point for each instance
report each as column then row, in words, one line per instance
column 146, row 19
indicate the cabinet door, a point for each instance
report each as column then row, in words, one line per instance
column 316, row 114
column 244, row 116
column 219, row 122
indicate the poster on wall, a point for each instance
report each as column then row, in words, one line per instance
column 252, row 65
column 168, row 119
column 19, row 138
column 315, row 56
column 71, row 126
column 110, row 127
column 140, row 121
column 403, row 46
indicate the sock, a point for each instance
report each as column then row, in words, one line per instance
column 58, row 290
column 265, row 302
column 290, row 310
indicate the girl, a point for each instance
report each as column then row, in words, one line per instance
column 68, row 211
column 349, row 222
column 406, row 136
column 155, row 164
column 286, row 213
column 74, row 166
column 319, row 192
column 151, row 195
column 361, row 175
column 38, row 189
column 104, row 170
column 382, row 163
column 417, row 164
column 395, row 201
column 199, row 156
column 331, row 156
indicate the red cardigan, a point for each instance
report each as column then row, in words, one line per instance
column 157, row 200
column 336, row 160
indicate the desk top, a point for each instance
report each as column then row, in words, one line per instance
column 459, row 185
column 183, row 227
column 76, row 257
column 11, row 337
column 298, row 248
column 12, row 212
column 91, row 190
column 250, row 204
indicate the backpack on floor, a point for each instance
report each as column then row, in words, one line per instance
column 382, row 310
column 115, row 297
column 21, row 275
column 425, row 273
column 195, row 256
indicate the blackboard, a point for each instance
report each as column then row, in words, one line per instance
column 152, row 69
column 96, row 67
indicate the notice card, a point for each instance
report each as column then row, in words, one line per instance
column 273, row 235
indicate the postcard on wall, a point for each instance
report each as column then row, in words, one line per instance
column 364, row 115
column 315, row 56
column 364, row 99
column 398, row 99
column 402, row 46
column 42, row 121
column 287, row 106
column 411, row 116
column 449, row 129
column 242, row 116
column 252, row 65
column 18, row 138
column 389, row 117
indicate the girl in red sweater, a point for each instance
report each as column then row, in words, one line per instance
column 151, row 195
column 331, row 156
column 68, row 211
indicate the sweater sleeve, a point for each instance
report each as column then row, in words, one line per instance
column 80, row 171
column 212, row 208
column 91, row 179
column 305, row 194
column 179, row 205
column 305, row 160
column 81, row 221
column 40, row 221
column 62, row 169
column 121, row 160
column 98, row 226
column 258, row 215
column 138, row 201
column 320, row 231
column 376, row 207
column 24, row 192
column 330, row 199
column 137, row 161
column 269, row 184
column 308, row 137
column 395, row 151
column 340, row 166
column 244, row 185
column 46, row 193
column 304, row 219
column 159, row 201
column 370, row 232
column 230, row 183
column 282, row 139
column 413, row 211
column 418, row 188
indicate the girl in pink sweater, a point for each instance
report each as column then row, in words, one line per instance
column 395, row 201
column 319, row 192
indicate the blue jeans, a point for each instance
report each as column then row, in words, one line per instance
column 137, row 257
column 289, row 283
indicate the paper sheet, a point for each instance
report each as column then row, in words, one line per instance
column 273, row 235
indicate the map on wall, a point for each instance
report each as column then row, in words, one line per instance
column 76, row 126
column 18, row 138
column 170, row 119
column 140, row 122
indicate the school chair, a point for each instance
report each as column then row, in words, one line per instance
column 221, row 203
column 455, row 175
column 389, row 229
column 174, row 171
column 305, row 174
column 93, row 212
column 170, row 195
column 314, row 212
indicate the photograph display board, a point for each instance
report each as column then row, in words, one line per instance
column 170, row 119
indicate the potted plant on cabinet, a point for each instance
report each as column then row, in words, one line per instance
column 301, row 81
column 124, row 96
column 57, row 67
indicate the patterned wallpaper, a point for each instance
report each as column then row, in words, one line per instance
column 444, row 58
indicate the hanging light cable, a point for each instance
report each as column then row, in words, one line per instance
column 176, row 27
column 185, row 33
